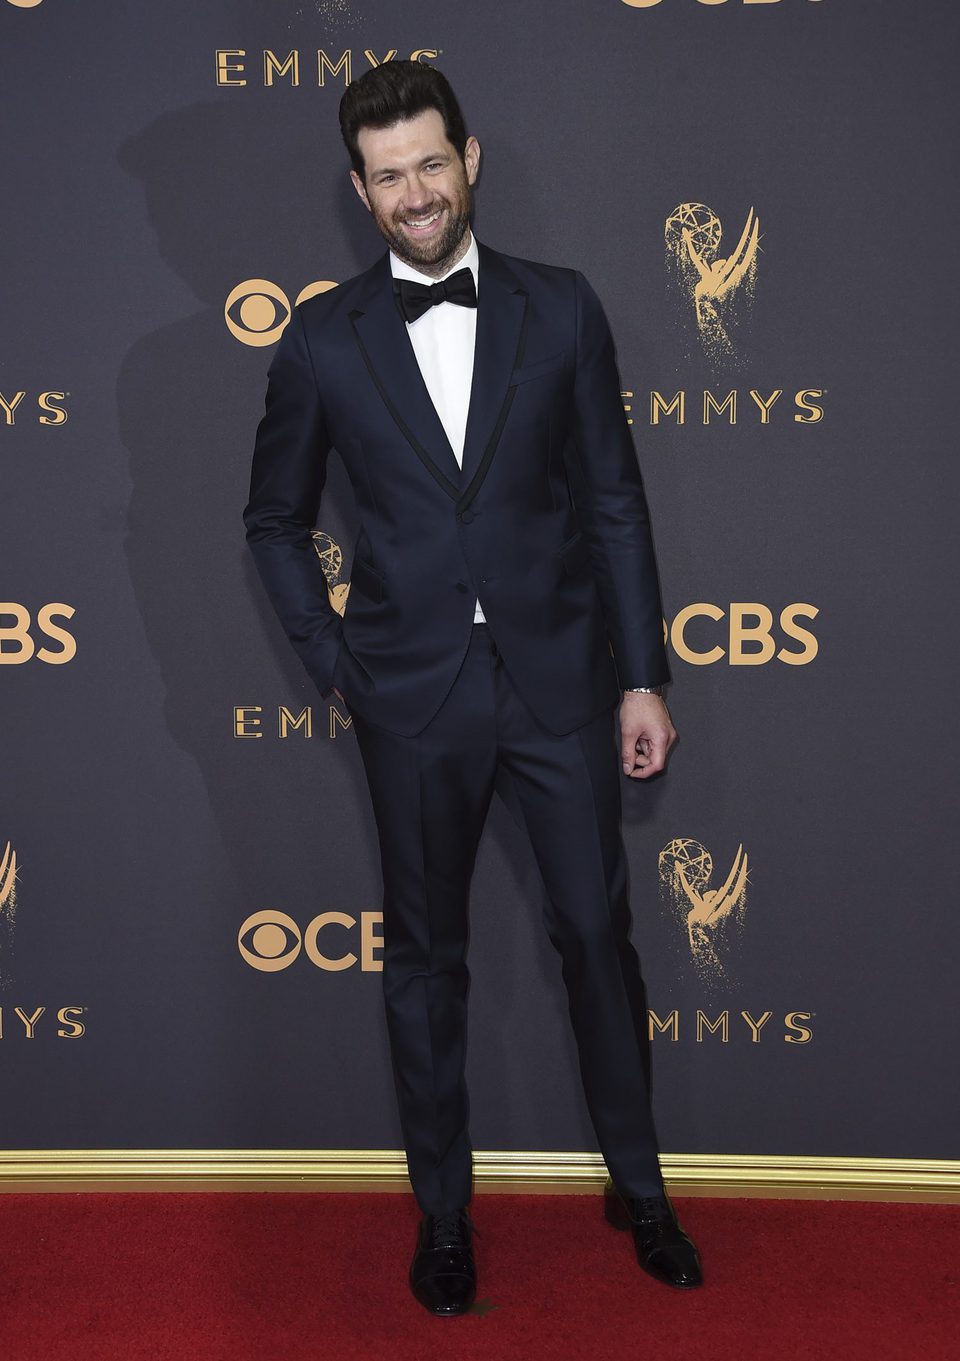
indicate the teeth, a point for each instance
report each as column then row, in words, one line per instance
column 422, row 221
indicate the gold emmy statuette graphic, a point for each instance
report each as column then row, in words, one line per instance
column 692, row 235
column 8, row 882
column 686, row 868
column 331, row 560
column 25, row 4
column 8, row 904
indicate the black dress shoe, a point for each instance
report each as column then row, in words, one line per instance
column 663, row 1249
column 442, row 1274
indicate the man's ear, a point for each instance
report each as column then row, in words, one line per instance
column 361, row 190
column 471, row 159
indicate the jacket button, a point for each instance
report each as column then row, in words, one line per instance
column 462, row 586
column 466, row 516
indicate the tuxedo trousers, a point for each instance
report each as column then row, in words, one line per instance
column 430, row 796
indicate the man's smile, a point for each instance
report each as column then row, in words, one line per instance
column 423, row 225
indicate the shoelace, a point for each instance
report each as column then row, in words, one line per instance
column 448, row 1230
column 648, row 1207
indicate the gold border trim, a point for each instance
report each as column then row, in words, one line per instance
column 700, row 1174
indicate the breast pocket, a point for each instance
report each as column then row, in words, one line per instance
column 538, row 369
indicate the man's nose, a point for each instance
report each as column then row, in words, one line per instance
column 418, row 194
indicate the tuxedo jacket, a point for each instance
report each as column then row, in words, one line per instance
column 546, row 522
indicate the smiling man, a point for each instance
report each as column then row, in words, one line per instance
column 503, row 632
column 419, row 193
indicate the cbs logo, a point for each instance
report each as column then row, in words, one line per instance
column 17, row 644
column 257, row 310
column 271, row 941
column 749, row 634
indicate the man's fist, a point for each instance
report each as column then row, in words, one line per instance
column 646, row 735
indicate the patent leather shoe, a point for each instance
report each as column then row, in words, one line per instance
column 443, row 1276
column 663, row 1249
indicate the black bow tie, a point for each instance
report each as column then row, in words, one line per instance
column 414, row 298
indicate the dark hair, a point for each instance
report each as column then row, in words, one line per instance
column 393, row 91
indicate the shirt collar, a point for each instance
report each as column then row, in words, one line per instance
column 401, row 270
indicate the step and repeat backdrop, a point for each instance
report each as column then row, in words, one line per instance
column 762, row 193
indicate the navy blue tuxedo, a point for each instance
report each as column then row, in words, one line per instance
column 560, row 583
column 547, row 525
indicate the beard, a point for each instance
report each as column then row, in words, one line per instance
column 432, row 256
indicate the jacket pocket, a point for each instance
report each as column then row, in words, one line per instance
column 575, row 553
column 367, row 580
column 537, row 369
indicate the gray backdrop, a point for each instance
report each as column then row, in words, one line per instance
column 138, row 196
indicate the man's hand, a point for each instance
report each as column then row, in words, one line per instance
column 646, row 735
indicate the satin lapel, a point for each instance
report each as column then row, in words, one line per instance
column 501, row 325
column 388, row 354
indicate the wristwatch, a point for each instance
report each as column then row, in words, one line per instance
column 644, row 690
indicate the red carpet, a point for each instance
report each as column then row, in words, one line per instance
column 220, row 1277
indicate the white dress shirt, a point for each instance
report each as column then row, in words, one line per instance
column 443, row 341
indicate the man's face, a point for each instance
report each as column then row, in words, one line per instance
column 417, row 187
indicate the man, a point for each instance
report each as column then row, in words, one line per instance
column 466, row 391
